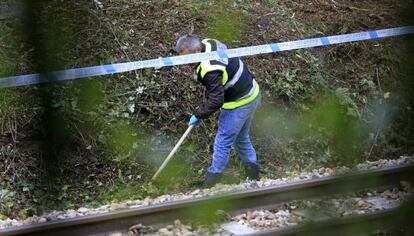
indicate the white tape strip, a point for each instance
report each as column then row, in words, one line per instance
column 71, row 74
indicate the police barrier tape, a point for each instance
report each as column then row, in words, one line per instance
column 70, row 74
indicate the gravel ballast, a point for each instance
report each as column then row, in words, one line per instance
column 325, row 208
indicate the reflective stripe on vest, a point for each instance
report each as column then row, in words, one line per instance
column 206, row 67
column 236, row 77
column 245, row 99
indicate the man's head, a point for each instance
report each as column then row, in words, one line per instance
column 188, row 44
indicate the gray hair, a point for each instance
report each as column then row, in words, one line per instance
column 188, row 41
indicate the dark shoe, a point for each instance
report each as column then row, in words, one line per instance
column 211, row 179
column 252, row 171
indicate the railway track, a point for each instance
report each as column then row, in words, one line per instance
column 204, row 209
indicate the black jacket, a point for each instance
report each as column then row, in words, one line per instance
column 215, row 94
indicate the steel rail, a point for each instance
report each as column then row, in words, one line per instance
column 203, row 209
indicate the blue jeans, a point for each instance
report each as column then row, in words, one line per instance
column 233, row 130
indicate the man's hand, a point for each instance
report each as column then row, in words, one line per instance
column 194, row 120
